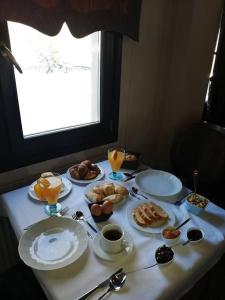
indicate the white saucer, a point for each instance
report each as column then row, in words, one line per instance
column 113, row 257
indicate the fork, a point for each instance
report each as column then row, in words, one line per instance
column 61, row 213
column 76, row 219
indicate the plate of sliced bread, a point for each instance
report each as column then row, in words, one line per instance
column 150, row 216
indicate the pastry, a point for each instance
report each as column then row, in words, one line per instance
column 93, row 197
column 121, row 190
column 84, row 171
column 108, row 189
column 115, row 198
column 90, row 175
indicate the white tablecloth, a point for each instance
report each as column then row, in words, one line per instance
column 170, row 282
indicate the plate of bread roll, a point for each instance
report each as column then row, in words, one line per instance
column 105, row 191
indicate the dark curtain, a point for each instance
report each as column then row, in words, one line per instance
column 82, row 16
column 214, row 111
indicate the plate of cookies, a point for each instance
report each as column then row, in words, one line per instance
column 101, row 191
column 85, row 172
column 150, row 216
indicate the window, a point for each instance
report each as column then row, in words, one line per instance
column 63, row 72
column 67, row 98
column 214, row 110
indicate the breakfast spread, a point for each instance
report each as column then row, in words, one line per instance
column 164, row 254
column 107, row 192
column 85, row 170
column 197, row 200
column 150, row 215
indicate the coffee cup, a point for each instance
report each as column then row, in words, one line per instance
column 112, row 238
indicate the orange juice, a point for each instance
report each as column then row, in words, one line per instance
column 48, row 188
column 115, row 158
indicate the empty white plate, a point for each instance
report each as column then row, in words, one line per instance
column 52, row 243
column 158, row 183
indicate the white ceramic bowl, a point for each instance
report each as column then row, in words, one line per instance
column 169, row 241
column 193, row 207
column 198, row 240
column 162, row 264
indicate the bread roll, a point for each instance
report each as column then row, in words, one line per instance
column 121, row 190
column 116, row 198
column 93, row 197
column 98, row 189
column 109, row 189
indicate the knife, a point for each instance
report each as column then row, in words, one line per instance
column 100, row 285
column 135, row 172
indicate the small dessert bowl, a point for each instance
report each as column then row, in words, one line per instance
column 170, row 235
column 195, row 235
column 164, row 255
column 196, row 203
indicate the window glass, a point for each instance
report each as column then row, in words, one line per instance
column 60, row 84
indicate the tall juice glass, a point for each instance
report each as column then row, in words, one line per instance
column 48, row 189
column 116, row 158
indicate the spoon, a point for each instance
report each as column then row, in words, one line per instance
column 115, row 284
column 80, row 216
column 188, row 241
column 135, row 190
column 182, row 224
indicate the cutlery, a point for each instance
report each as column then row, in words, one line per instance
column 182, row 224
column 131, row 177
column 80, row 216
column 135, row 190
column 115, row 283
column 88, row 233
column 100, row 285
column 134, row 195
column 135, row 172
column 61, row 213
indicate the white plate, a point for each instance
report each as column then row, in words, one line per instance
column 100, row 176
column 52, row 243
column 125, row 253
column 66, row 189
column 89, row 187
column 165, row 206
column 158, row 183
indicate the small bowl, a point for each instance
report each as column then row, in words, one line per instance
column 131, row 164
column 167, row 262
column 196, row 206
column 172, row 240
column 198, row 230
column 101, row 218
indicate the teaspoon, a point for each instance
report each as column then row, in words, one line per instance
column 80, row 216
column 115, row 284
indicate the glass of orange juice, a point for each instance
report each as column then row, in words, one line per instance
column 47, row 188
column 115, row 158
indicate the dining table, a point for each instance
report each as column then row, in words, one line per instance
column 191, row 262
